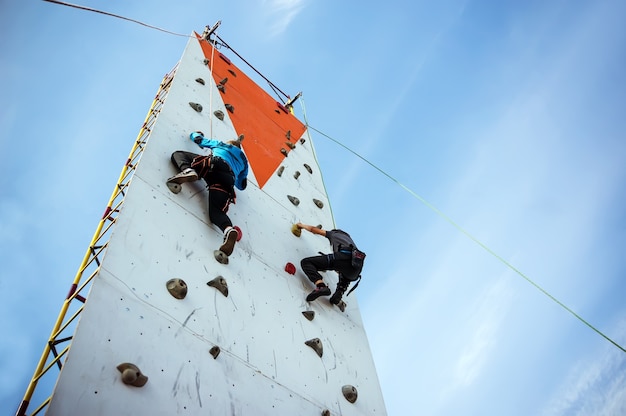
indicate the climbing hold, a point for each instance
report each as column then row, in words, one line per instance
column 230, row 107
column 220, row 256
column 290, row 145
column 224, row 57
column 316, row 344
column 223, row 81
column 283, row 151
column 232, row 72
column 295, row 230
column 220, row 284
column 302, row 140
column 350, row 393
column 221, row 88
column 288, row 135
column 206, row 61
column 309, row 315
column 280, row 171
column 326, row 412
column 200, row 81
column 196, row 106
column 319, row 226
column 290, row 268
column 214, row 351
column 177, row 288
column 219, row 114
column 308, row 168
column 131, row 375
column 296, row 175
column 293, row 200
column 239, row 232
column 174, row 187
column 319, row 203
column 240, row 138
column 342, row 306
column 282, row 107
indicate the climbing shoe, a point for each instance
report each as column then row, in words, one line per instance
column 319, row 291
column 188, row 175
column 336, row 297
column 230, row 237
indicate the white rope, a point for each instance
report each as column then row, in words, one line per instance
column 212, row 81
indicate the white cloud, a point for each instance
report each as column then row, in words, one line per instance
column 487, row 320
column 596, row 386
column 282, row 13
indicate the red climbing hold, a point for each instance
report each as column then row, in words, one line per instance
column 290, row 268
column 239, row 232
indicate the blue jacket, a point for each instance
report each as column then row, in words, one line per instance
column 233, row 155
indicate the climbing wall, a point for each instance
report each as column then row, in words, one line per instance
column 238, row 338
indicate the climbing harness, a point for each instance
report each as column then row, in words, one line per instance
column 231, row 194
column 202, row 165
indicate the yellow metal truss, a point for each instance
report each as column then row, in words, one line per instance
column 62, row 332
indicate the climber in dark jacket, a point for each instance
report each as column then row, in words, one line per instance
column 341, row 261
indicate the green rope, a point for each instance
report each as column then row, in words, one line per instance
column 458, row 227
column 317, row 162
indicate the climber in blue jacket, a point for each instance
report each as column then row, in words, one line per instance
column 225, row 168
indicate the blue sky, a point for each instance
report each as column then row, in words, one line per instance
column 508, row 117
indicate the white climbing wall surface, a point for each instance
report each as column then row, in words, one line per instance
column 241, row 354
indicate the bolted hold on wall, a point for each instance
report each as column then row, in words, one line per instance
column 350, row 393
column 318, row 203
column 280, row 171
column 219, row 114
column 195, row 106
column 290, row 268
column 308, row 168
column 309, row 315
column 236, row 227
column 295, row 230
column 214, row 351
column 220, row 256
column 293, row 200
column 317, row 346
column 296, row 175
column 177, row 288
column 220, row 284
column 131, row 375
column 200, row 81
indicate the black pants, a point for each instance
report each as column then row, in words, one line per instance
column 220, row 181
column 339, row 262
